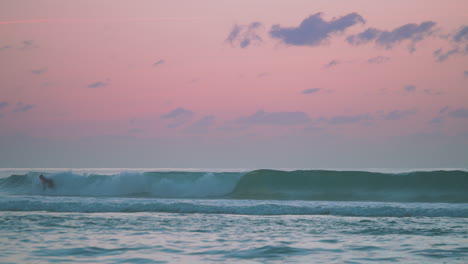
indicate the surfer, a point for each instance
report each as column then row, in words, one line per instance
column 46, row 183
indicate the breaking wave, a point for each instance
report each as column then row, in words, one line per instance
column 317, row 185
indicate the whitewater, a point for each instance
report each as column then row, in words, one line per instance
column 244, row 216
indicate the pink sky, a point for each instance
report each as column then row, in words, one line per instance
column 83, row 73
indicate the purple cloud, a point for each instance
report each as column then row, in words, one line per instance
column 442, row 56
column 310, row 91
column 275, row 118
column 28, row 44
column 409, row 88
column 21, row 107
column 459, row 113
column 314, row 30
column 178, row 116
column 202, row 125
column 332, row 63
column 432, row 92
column 6, row 47
column 465, row 73
column 349, row 119
column 461, row 35
column 176, row 113
column 4, row 104
column 378, row 60
column 388, row 39
column 444, row 109
column 98, row 84
column 245, row 35
column 437, row 120
column 39, row 71
column 398, row 114
column 159, row 62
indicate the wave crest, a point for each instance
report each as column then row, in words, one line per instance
column 329, row 185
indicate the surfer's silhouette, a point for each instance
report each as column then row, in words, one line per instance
column 46, row 183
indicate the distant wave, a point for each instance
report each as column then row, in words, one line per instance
column 239, row 207
column 319, row 185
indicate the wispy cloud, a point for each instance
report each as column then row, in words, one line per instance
column 4, row 104
column 202, row 125
column 275, row 118
column 444, row 109
column 314, row 30
column 442, row 56
column 98, row 84
column 388, row 39
column 21, row 107
column 432, row 92
column 5, row 47
column 310, row 91
column 347, row 119
column 178, row 116
column 263, row 75
column 245, row 35
column 461, row 35
column 409, row 88
column 332, row 63
column 28, row 44
column 459, row 113
column 398, row 114
column 378, row 60
column 436, row 120
column 158, row 63
column 39, row 71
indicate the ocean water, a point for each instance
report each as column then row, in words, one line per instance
column 229, row 216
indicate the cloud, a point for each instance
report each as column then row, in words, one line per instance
column 432, row 92
column 39, row 71
column 202, row 125
column 332, row 63
column 135, row 130
column 5, row 47
column 465, row 73
column 310, row 91
column 437, row 120
column 347, row 119
column 28, row 44
column 388, row 39
column 314, row 30
column 444, row 109
column 4, row 104
column 98, row 84
column 263, row 74
column 461, row 35
column 378, row 60
column 457, row 47
column 409, row 88
column 275, row 118
column 159, row 62
column 21, row 107
column 245, row 35
column 442, row 56
column 177, row 113
column 398, row 114
column 367, row 35
column 459, row 113
column 178, row 116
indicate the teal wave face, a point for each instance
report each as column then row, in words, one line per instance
column 319, row 185
column 432, row 186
